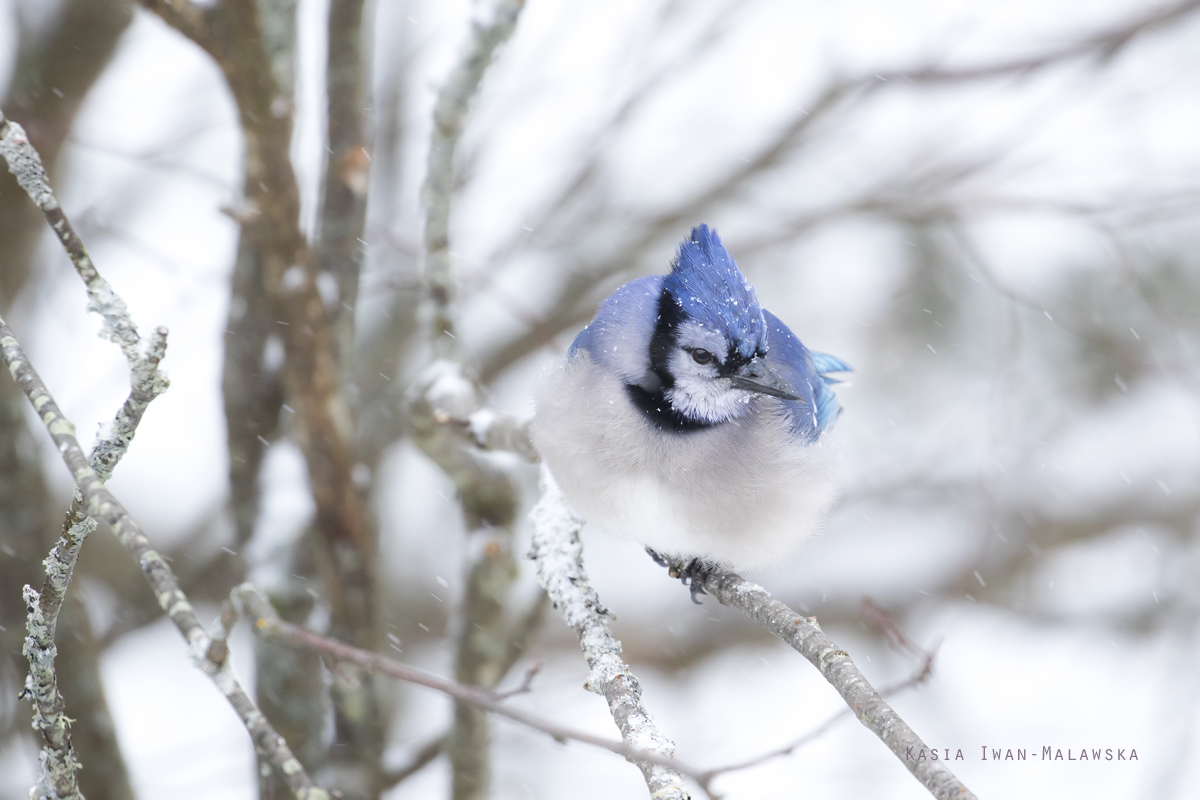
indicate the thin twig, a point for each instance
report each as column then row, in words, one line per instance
column 806, row 637
column 58, row 760
column 103, row 505
column 558, row 552
column 449, row 117
column 518, row 640
column 26, row 165
column 574, row 297
column 920, row 676
column 267, row 623
column 526, row 684
column 424, row 756
column 1102, row 46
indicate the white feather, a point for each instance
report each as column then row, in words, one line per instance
column 743, row 493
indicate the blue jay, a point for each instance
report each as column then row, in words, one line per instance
column 690, row 419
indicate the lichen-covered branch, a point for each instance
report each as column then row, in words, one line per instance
column 449, row 117
column 101, row 504
column 806, row 637
column 58, row 760
column 68, row 53
column 558, row 552
column 26, row 165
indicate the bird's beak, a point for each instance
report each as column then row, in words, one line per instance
column 759, row 378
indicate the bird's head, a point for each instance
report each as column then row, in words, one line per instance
column 708, row 349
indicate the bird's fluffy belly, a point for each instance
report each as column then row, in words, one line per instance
column 743, row 493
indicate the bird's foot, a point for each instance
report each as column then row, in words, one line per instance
column 691, row 572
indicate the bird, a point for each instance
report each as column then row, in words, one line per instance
column 690, row 419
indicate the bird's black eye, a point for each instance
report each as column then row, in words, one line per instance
column 701, row 356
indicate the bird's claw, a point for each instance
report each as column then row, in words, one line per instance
column 691, row 573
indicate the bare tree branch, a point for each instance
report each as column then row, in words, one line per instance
column 489, row 429
column 487, row 495
column 805, row 636
column 53, row 73
column 488, row 499
column 425, row 755
column 448, row 120
column 1101, row 46
column 58, row 759
column 268, row 624
column 558, row 553
column 26, row 165
column 186, row 17
column 347, row 169
column 519, row 636
column 252, row 49
column 920, row 676
column 575, row 298
column 103, row 505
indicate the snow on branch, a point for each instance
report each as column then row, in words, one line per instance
column 447, row 396
column 558, row 552
column 102, row 504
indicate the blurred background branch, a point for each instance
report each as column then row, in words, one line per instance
column 989, row 210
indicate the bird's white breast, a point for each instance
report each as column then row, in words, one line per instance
column 744, row 493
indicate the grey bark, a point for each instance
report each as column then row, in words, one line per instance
column 805, row 636
column 558, row 552
column 102, row 505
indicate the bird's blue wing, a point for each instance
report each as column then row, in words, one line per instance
column 826, row 364
column 807, row 372
column 623, row 324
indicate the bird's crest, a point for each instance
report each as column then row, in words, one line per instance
column 709, row 289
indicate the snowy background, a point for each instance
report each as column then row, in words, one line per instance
column 1009, row 262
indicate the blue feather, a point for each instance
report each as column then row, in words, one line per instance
column 803, row 369
column 826, row 363
column 709, row 288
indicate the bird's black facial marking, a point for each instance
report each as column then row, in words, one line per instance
column 733, row 362
column 666, row 336
column 649, row 394
column 660, row 413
